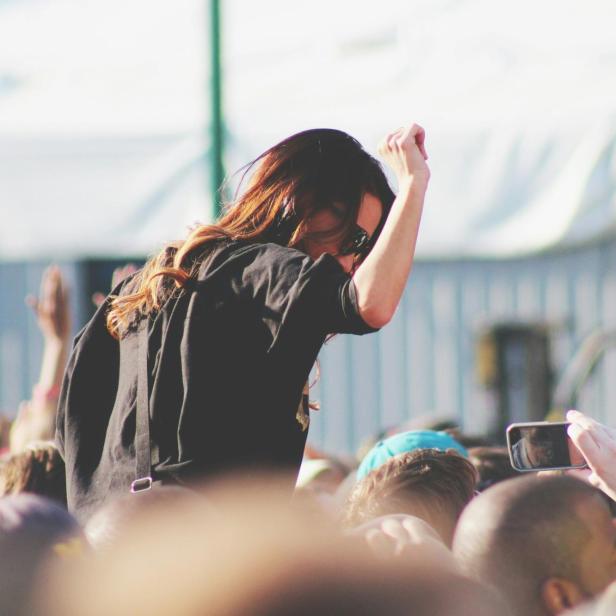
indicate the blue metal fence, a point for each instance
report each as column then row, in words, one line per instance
column 423, row 362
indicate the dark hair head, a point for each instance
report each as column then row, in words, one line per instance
column 310, row 171
column 492, row 464
column 427, row 483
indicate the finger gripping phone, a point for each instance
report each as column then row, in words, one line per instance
column 542, row 445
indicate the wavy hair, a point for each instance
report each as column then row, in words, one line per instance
column 419, row 482
column 307, row 172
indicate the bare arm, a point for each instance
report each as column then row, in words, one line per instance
column 380, row 280
column 53, row 316
column 36, row 417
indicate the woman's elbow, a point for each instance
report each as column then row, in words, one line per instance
column 377, row 317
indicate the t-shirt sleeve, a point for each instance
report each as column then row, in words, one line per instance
column 319, row 293
column 339, row 299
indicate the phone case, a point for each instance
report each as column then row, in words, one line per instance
column 532, row 424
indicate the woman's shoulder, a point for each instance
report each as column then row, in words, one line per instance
column 241, row 247
column 241, row 254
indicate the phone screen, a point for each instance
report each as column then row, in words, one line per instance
column 543, row 446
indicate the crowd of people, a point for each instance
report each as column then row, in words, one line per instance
column 425, row 521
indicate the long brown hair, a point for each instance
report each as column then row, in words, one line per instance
column 307, row 172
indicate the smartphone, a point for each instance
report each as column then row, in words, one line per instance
column 541, row 446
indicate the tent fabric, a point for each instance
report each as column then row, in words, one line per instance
column 103, row 120
column 98, row 197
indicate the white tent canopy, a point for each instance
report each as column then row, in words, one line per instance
column 104, row 112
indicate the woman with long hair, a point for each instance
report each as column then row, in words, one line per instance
column 198, row 363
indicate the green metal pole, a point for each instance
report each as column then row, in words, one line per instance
column 217, row 171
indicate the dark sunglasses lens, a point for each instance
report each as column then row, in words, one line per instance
column 357, row 244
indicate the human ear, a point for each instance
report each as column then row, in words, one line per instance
column 560, row 594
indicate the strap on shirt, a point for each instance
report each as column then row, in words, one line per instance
column 143, row 444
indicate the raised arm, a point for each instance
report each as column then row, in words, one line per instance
column 36, row 417
column 380, row 280
column 53, row 316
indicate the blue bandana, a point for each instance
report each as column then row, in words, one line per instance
column 405, row 442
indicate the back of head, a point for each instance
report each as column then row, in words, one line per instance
column 29, row 527
column 314, row 170
column 39, row 469
column 261, row 556
column 430, row 484
column 317, row 169
column 31, row 519
column 404, row 442
column 524, row 531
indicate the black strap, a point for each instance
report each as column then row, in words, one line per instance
column 143, row 445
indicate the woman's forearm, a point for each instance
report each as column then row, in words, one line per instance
column 380, row 280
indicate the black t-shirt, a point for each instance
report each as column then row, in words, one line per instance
column 228, row 358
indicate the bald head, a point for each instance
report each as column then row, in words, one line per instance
column 524, row 531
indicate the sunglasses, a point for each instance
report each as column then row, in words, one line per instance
column 358, row 243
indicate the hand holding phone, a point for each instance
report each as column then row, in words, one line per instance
column 597, row 443
column 542, row 445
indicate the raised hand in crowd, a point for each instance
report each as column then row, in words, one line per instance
column 119, row 274
column 36, row 417
column 51, row 306
column 597, row 443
